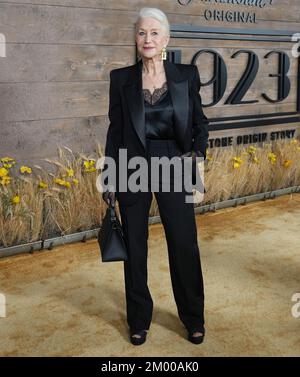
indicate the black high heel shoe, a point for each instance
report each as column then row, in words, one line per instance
column 196, row 339
column 138, row 341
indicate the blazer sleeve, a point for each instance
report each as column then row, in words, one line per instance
column 200, row 121
column 114, row 132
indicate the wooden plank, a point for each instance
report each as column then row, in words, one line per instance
column 34, row 101
column 80, row 135
column 280, row 9
column 55, row 24
column 39, row 62
column 34, row 140
column 227, row 111
column 22, row 101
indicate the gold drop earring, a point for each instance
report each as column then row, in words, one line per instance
column 163, row 54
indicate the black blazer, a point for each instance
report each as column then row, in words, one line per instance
column 127, row 119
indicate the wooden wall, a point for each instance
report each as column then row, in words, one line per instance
column 54, row 79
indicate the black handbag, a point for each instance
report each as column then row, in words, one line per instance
column 111, row 238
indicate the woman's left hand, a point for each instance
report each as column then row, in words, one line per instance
column 193, row 154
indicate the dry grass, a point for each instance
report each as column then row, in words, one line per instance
column 61, row 207
column 255, row 172
column 29, row 212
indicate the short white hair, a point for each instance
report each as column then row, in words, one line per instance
column 156, row 13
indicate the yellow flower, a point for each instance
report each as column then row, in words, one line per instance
column 294, row 141
column 25, row 169
column 16, row 199
column 42, row 185
column 3, row 172
column 62, row 182
column 208, row 155
column 70, row 172
column 256, row 160
column 75, row 181
column 272, row 157
column 7, row 159
column 89, row 164
column 251, row 149
column 90, row 170
column 5, row 180
column 7, row 166
column 287, row 163
column 237, row 161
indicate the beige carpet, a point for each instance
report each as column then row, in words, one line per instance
column 66, row 302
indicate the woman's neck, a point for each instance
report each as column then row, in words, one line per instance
column 153, row 66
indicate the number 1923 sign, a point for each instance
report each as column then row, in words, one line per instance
column 268, row 73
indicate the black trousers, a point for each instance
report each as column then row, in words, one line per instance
column 178, row 219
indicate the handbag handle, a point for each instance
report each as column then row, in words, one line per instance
column 112, row 211
column 114, row 219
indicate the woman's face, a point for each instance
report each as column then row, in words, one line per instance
column 150, row 38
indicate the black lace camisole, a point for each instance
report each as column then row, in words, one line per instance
column 158, row 113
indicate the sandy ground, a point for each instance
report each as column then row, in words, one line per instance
column 65, row 302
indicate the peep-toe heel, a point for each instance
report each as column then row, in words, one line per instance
column 138, row 341
column 196, row 339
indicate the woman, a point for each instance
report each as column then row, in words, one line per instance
column 155, row 110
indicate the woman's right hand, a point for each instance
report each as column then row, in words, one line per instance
column 109, row 197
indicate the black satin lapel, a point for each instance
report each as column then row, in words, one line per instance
column 135, row 101
column 179, row 92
